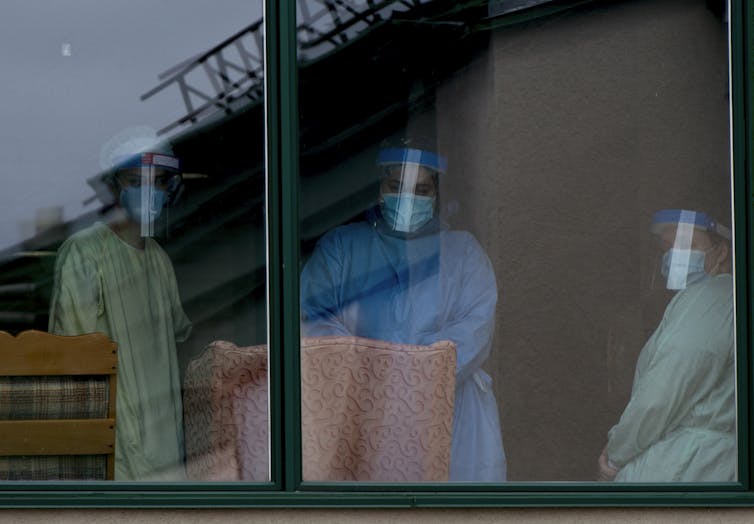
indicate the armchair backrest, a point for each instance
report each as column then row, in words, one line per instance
column 225, row 414
column 376, row 411
column 371, row 410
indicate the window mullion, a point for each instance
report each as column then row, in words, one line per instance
column 282, row 151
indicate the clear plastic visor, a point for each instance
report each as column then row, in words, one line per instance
column 411, row 178
column 408, row 196
column 152, row 185
column 155, row 176
column 681, row 251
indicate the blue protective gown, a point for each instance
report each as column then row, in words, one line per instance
column 679, row 425
column 363, row 280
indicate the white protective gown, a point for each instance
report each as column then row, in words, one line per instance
column 103, row 284
column 679, row 425
column 363, row 281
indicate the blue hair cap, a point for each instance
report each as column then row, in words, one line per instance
column 697, row 219
column 393, row 156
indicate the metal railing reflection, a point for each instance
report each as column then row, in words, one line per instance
column 230, row 75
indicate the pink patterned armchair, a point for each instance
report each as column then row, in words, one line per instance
column 225, row 414
column 371, row 411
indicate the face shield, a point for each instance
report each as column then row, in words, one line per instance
column 147, row 182
column 684, row 239
column 408, row 187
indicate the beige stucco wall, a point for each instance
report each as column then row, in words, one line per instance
column 563, row 139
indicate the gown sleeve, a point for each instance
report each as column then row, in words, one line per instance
column 181, row 324
column 471, row 324
column 687, row 360
column 77, row 292
column 320, row 296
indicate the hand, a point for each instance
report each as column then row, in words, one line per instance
column 606, row 472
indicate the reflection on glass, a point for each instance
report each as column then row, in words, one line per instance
column 167, row 257
column 544, row 148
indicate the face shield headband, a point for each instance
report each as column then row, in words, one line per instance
column 143, row 201
column 408, row 187
column 399, row 156
column 681, row 264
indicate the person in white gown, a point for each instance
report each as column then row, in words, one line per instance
column 679, row 424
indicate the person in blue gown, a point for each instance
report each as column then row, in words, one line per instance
column 402, row 277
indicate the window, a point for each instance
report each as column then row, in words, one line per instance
column 138, row 217
column 445, row 240
column 541, row 161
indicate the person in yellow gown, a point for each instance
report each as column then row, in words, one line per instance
column 112, row 278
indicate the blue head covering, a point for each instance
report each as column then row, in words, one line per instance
column 697, row 219
column 396, row 156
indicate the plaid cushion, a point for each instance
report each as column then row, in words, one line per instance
column 64, row 467
column 23, row 398
column 69, row 397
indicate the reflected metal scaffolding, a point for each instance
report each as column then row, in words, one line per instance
column 230, row 75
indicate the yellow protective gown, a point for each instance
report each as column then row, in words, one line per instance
column 103, row 284
column 679, row 425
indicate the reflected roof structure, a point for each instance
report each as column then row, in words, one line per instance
column 220, row 140
column 231, row 73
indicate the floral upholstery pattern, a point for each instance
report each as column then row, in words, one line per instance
column 225, row 414
column 371, row 411
column 376, row 411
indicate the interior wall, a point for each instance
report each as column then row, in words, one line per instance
column 563, row 139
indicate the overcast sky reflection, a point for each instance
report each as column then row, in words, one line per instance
column 73, row 71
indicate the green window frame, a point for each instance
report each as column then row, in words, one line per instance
column 287, row 488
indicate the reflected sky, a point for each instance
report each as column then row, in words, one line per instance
column 73, row 72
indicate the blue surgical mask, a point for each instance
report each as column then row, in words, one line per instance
column 407, row 212
column 682, row 267
column 130, row 200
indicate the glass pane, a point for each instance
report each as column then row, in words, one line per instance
column 134, row 207
column 516, row 242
